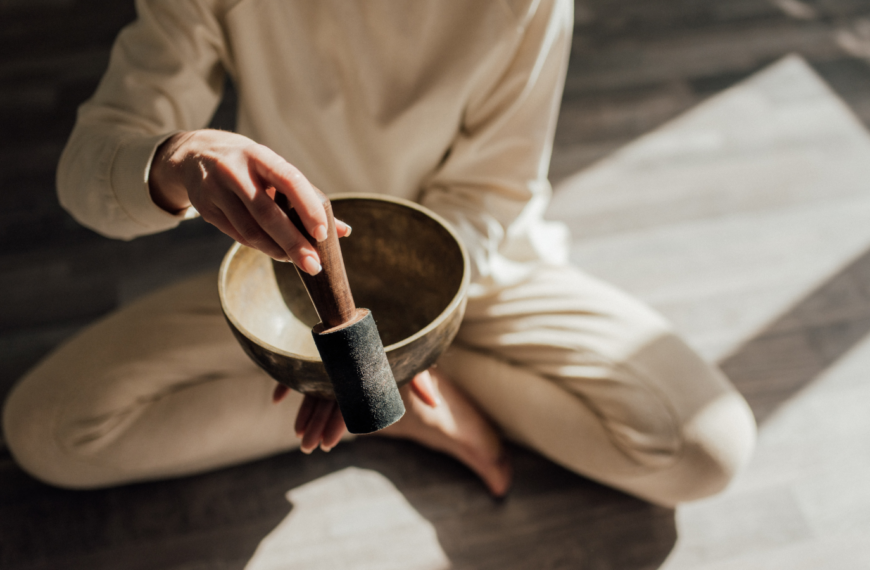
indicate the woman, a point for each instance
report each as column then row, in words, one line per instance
column 452, row 104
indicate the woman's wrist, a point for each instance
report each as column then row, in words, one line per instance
column 165, row 182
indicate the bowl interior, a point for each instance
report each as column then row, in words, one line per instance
column 402, row 264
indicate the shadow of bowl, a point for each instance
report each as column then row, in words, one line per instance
column 403, row 262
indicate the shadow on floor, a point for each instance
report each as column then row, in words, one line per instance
column 552, row 519
column 798, row 346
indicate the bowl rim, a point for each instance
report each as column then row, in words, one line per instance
column 457, row 299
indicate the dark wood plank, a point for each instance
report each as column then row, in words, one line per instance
column 216, row 520
column 798, row 346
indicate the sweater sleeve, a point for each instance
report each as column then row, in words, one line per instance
column 165, row 74
column 492, row 185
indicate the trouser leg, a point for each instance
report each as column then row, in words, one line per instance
column 563, row 363
column 158, row 389
column 599, row 383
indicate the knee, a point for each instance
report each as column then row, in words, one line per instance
column 25, row 431
column 711, row 430
column 29, row 420
column 718, row 442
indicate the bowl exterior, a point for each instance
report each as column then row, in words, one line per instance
column 309, row 376
column 407, row 358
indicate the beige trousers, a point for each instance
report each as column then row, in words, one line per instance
column 562, row 363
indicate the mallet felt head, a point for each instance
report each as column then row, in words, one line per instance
column 356, row 363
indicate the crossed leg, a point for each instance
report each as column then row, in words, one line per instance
column 561, row 363
column 157, row 389
column 596, row 381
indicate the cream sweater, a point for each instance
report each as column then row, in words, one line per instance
column 451, row 103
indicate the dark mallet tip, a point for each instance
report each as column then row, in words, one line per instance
column 361, row 376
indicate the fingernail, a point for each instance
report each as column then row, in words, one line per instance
column 324, row 448
column 305, row 451
column 319, row 233
column 310, row 266
column 349, row 229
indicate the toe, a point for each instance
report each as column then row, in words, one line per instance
column 499, row 476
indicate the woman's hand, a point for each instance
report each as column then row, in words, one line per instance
column 231, row 181
column 319, row 422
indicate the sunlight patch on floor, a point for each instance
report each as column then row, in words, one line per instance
column 725, row 217
column 804, row 501
column 353, row 518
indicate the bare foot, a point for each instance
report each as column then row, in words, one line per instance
column 439, row 416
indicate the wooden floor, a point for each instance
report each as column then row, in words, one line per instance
column 698, row 166
column 744, row 221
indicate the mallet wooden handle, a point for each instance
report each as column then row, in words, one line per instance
column 329, row 290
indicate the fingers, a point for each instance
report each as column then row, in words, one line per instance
column 335, row 429
column 280, row 393
column 218, row 220
column 425, row 388
column 317, row 424
column 232, row 182
column 255, row 215
column 287, row 179
column 233, row 209
column 274, row 174
column 303, row 416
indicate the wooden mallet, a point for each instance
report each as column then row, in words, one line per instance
column 347, row 337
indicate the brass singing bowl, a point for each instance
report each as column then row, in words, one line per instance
column 403, row 262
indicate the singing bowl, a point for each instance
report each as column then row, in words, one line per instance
column 403, row 262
